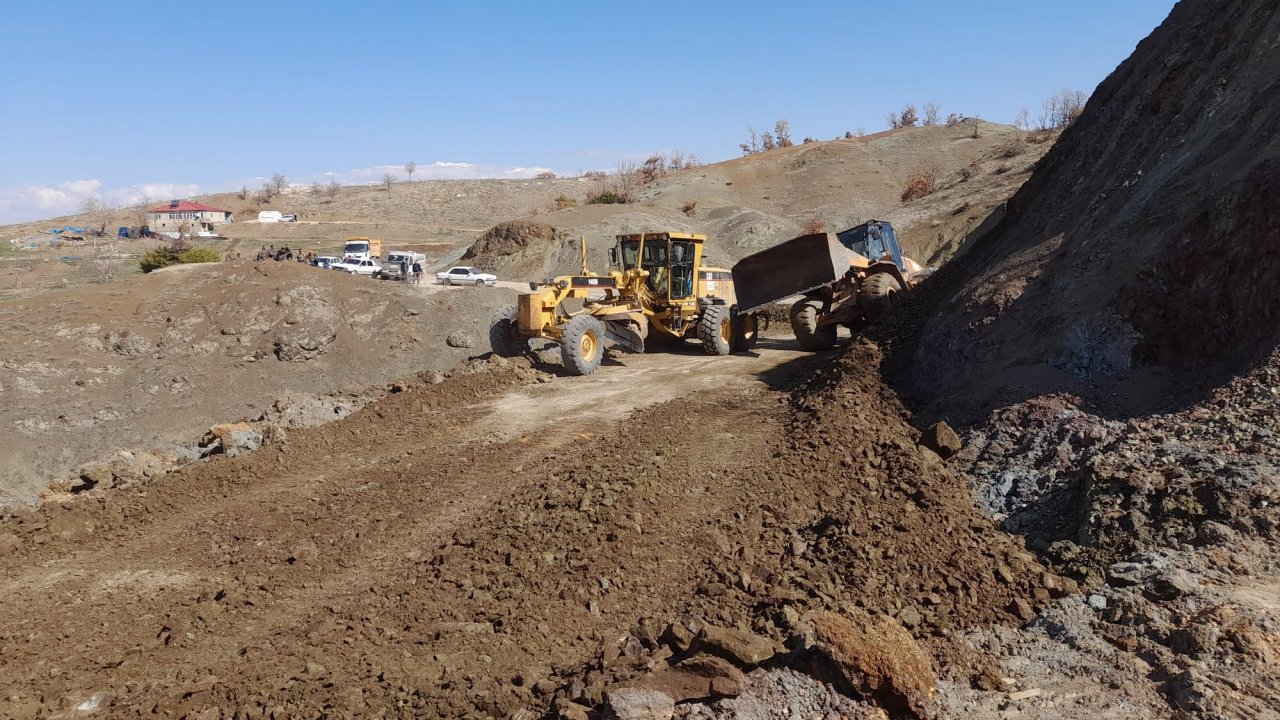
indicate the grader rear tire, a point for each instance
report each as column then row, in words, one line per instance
column 504, row 333
column 582, row 346
column 715, row 330
column 804, row 322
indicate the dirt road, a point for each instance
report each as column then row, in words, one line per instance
column 334, row 573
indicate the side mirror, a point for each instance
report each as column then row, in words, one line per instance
column 613, row 256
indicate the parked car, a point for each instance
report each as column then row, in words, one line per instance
column 389, row 271
column 357, row 266
column 326, row 261
column 289, row 218
column 463, row 275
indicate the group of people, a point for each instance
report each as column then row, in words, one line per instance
column 283, row 253
column 411, row 273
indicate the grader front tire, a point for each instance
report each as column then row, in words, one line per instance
column 715, row 330
column 582, row 345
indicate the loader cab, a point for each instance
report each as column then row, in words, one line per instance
column 875, row 241
column 671, row 260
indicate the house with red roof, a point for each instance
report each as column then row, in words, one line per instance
column 187, row 217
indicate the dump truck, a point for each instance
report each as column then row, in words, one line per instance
column 362, row 247
column 847, row 278
column 657, row 288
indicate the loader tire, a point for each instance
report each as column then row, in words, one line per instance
column 715, row 330
column 746, row 331
column 880, row 292
column 804, row 322
column 504, row 334
column 582, row 346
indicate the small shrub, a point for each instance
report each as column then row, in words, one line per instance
column 563, row 202
column 608, row 197
column 1012, row 149
column 156, row 258
column 1001, row 170
column 814, row 225
column 200, row 255
column 967, row 172
column 920, row 184
column 545, row 175
column 595, row 175
column 953, row 120
column 689, row 208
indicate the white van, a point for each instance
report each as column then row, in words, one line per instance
column 269, row 216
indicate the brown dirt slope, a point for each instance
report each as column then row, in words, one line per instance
column 406, row 561
column 1145, row 244
column 156, row 360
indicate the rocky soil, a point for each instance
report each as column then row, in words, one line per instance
column 146, row 366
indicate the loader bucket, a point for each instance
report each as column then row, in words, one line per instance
column 791, row 268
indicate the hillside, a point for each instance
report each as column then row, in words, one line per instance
column 1141, row 256
column 750, row 203
column 743, row 204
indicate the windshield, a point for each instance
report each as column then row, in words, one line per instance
column 356, row 247
column 630, row 249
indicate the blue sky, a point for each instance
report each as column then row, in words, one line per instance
column 124, row 99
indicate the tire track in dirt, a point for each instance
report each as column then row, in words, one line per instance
column 232, row 569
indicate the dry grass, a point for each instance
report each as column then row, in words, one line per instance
column 814, row 225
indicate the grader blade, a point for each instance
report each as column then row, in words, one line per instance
column 794, row 267
column 624, row 334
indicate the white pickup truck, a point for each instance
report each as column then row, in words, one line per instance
column 463, row 275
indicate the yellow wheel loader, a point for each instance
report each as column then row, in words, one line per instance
column 848, row 278
column 657, row 289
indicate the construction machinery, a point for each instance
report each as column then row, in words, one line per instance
column 657, row 289
column 848, row 278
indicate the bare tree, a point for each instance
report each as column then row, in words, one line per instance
column 244, row 192
column 388, row 179
column 1062, row 109
column 909, row 116
column 1023, row 121
column 317, row 190
column 782, row 132
column 752, row 146
column 99, row 215
column 139, row 214
column 766, row 141
column 277, row 184
column 409, row 167
column 332, row 189
column 893, row 120
column 931, row 112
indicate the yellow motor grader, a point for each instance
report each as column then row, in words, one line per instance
column 657, row 288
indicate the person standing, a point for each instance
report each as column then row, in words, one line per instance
column 417, row 273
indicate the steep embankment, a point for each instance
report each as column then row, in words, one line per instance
column 1145, row 247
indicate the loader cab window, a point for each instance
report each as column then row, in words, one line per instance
column 873, row 243
column 681, row 269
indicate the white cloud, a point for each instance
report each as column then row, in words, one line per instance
column 34, row 202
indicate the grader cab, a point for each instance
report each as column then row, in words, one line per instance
column 657, row 288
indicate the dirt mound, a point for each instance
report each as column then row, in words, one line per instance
column 154, row 361
column 1143, row 247
column 519, row 246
